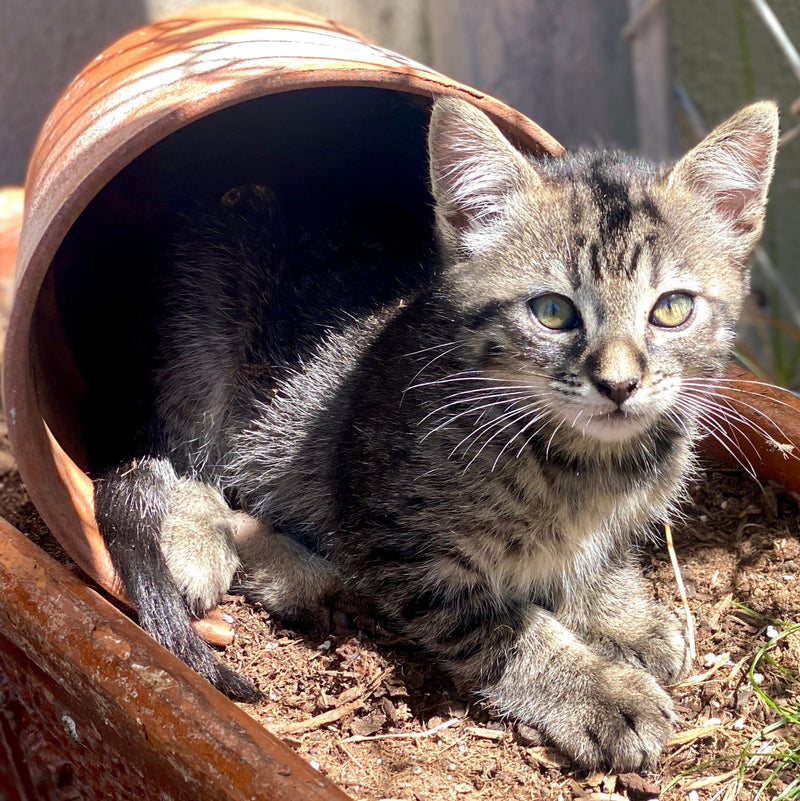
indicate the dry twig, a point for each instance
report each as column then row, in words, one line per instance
column 332, row 715
column 701, row 677
column 412, row 735
column 323, row 719
column 681, row 590
column 690, row 735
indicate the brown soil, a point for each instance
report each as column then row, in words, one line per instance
column 383, row 725
column 376, row 719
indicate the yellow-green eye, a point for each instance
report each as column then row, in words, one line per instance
column 555, row 311
column 672, row 310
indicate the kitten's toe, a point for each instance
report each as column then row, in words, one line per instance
column 621, row 723
column 197, row 543
column 204, row 580
column 659, row 647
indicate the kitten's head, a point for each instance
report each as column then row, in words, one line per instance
column 603, row 283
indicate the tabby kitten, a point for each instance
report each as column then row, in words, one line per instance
column 471, row 458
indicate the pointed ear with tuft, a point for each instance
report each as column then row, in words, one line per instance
column 732, row 167
column 473, row 171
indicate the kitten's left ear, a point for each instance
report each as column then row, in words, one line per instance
column 733, row 167
column 474, row 171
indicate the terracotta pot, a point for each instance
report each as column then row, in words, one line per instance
column 272, row 78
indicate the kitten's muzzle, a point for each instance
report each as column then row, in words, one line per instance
column 616, row 370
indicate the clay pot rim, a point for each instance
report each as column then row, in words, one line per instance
column 397, row 74
column 155, row 713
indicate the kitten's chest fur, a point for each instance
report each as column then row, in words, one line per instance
column 390, row 468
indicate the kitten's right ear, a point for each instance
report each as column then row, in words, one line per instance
column 473, row 171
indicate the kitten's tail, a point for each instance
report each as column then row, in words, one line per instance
column 131, row 502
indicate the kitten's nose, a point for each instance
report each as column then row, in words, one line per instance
column 616, row 369
column 618, row 391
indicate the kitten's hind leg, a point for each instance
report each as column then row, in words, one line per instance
column 289, row 581
column 197, row 542
column 131, row 503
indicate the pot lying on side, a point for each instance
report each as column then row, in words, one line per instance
column 182, row 110
column 176, row 112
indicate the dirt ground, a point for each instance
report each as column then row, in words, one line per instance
column 377, row 720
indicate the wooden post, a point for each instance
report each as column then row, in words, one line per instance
column 562, row 64
column 648, row 34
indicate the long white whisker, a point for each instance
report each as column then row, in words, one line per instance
column 533, row 421
column 486, row 394
column 501, row 401
column 476, row 433
column 494, row 388
column 723, row 385
column 730, row 445
column 703, row 411
column 508, row 425
column 711, row 426
column 723, row 405
column 530, row 438
column 435, row 359
column 540, row 410
column 550, row 441
column 545, row 409
column 457, row 377
column 497, row 434
column 758, row 429
column 434, row 347
column 751, row 382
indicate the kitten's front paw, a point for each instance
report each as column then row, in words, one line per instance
column 658, row 646
column 620, row 719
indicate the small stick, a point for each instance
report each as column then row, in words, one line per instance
column 701, row 677
column 486, row 734
column 413, row 735
column 332, row 715
column 691, row 735
column 346, row 751
column 681, row 590
column 708, row 781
